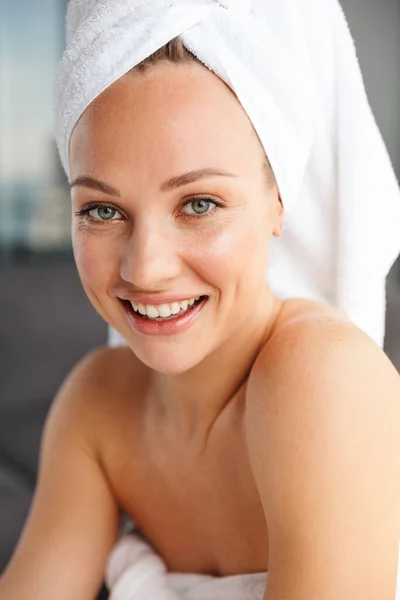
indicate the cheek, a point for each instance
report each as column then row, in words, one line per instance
column 234, row 251
column 95, row 262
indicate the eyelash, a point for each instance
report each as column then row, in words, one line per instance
column 84, row 212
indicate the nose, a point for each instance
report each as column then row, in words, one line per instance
column 150, row 258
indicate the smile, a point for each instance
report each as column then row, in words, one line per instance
column 162, row 312
column 164, row 319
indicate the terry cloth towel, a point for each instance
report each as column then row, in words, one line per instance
column 294, row 69
column 136, row 572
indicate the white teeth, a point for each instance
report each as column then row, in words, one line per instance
column 151, row 311
column 175, row 308
column 163, row 310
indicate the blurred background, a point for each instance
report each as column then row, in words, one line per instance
column 46, row 322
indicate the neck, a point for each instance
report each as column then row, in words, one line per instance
column 190, row 403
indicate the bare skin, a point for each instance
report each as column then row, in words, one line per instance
column 266, row 437
column 101, row 457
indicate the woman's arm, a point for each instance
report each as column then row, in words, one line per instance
column 73, row 521
column 323, row 429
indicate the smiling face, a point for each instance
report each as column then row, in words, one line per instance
column 150, row 233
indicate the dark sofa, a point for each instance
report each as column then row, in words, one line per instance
column 46, row 325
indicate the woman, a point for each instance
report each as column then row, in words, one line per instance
column 240, row 432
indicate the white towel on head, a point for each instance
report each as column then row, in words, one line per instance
column 136, row 572
column 294, row 69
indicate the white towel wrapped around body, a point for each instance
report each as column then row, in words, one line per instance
column 293, row 67
column 136, row 572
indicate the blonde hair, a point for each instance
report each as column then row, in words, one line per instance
column 174, row 52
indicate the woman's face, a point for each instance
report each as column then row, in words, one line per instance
column 146, row 232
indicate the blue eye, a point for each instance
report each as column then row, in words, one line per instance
column 100, row 213
column 200, row 206
column 105, row 213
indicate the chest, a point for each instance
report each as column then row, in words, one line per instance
column 201, row 513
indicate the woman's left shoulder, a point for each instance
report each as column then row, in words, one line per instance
column 317, row 349
column 322, row 425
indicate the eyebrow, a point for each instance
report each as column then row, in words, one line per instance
column 170, row 184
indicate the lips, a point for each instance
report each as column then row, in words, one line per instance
column 164, row 325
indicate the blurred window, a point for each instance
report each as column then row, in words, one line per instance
column 34, row 199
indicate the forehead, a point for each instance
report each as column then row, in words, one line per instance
column 174, row 116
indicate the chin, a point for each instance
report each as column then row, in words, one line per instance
column 166, row 360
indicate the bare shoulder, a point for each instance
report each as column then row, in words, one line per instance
column 75, row 509
column 323, row 431
column 316, row 342
column 99, row 387
column 104, row 367
column 317, row 359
